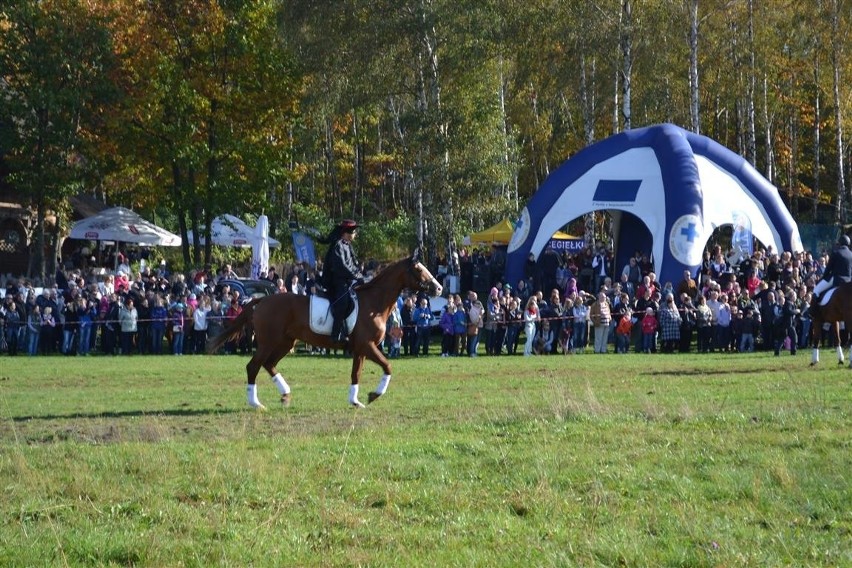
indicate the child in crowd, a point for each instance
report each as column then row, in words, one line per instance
column 649, row 330
column 623, row 331
column 447, row 325
column 544, row 341
column 395, row 340
column 565, row 337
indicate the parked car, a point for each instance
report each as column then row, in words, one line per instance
column 437, row 304
column 249, row 289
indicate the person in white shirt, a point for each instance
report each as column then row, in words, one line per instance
column 199, row 325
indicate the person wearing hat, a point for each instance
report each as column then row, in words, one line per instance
column 838, row 270
column 341, row 270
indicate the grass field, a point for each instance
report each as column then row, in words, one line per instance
column 683, row 460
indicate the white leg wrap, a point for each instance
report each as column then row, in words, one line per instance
column 814, row 355
column 353, row 396
column 385, row 380
column 251, row 394
column 281, row 384
column 840, row 353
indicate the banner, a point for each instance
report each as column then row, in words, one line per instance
column 742, row 240
column 569, row 245
column 304, row 247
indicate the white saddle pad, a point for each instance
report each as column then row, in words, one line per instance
column 320, row 316
column 827, row 297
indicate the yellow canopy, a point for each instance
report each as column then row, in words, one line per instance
column 500, row 233
column 564, row 236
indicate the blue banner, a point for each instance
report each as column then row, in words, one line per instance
column 304, row 247
column 570, row 245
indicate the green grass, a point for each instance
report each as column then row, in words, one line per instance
column 685, row 460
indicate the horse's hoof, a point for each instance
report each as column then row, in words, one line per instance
column 285, row 400
column 372, row 396
column 358, row 404
column 840, row 362
column 259, row 407
column 813, row 364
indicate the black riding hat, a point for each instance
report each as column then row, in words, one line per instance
column 348, row 225
column 843, row 240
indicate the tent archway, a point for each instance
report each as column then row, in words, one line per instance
column 660, row 180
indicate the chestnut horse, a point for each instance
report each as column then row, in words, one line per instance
column 837, row 309
column 282, row 319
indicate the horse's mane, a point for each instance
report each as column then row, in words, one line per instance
column 386, row 268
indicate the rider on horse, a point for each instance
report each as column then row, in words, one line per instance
column 340, row 271
column 838, row 270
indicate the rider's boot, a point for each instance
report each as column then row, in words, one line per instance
column 338, row 331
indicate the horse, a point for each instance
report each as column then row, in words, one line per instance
column 837, row 309
column 282, row 319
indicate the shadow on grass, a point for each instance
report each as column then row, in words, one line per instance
column 184, row 412
column 692, row 372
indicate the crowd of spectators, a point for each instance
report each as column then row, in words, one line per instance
column 148, row 311
column 578, row 303
column 583, row 303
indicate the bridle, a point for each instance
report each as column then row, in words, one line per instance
column 416, row 275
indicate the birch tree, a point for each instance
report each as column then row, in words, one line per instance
column 837, row 54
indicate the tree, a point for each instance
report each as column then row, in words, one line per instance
column 55, row 63
column 211, row 92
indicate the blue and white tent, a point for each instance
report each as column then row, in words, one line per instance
column 668, row 189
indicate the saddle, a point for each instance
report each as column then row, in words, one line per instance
column 320, row 317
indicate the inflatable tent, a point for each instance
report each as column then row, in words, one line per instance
column 667, row 189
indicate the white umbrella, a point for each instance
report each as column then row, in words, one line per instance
column 260, row 248
column 230, row 231
column 123, row 225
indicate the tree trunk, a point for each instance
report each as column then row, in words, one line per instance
column 587, row 101
column 357, row 174
column 506, row 190
column 817, row 137
column 627, row 61
column 769, row 172
column 335, row 202
column 290, row 190
column 615, row 118
column 181, row 211
column 212, row 177
column 693, row 68
column 195, row 211
column 36, row 268
column 751, row 136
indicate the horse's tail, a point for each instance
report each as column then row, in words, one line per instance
column 234, row 329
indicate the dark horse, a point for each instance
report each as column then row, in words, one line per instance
column 837, row 309
column 282, row 319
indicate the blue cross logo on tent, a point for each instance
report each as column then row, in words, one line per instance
column 689, row 232
column 685, row 239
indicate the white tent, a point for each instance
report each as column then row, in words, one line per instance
column 230, row 231
column 123, row 225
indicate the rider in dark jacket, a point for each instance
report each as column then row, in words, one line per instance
column 838, row 270
column 341, row 270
